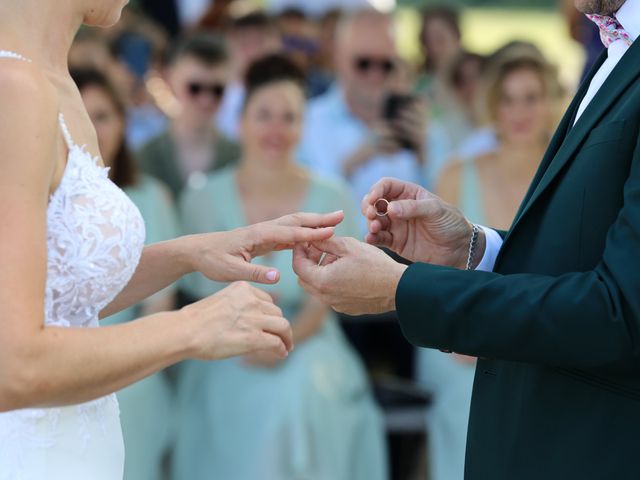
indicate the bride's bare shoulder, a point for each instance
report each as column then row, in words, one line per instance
column 29, row 131
column 25, row 90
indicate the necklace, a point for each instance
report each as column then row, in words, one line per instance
column 17, row 56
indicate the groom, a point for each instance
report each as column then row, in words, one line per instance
column 555, row 316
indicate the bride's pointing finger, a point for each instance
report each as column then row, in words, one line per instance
column 311, row 220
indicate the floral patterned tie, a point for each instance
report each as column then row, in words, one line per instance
column 610, row 29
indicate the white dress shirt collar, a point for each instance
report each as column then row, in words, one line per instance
column 629, row 18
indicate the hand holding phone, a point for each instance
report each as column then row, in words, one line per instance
column 406, row 117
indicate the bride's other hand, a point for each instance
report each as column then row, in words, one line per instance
column 227, row 256
column 239, row 320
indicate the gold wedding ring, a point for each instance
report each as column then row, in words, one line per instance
column 382, row 207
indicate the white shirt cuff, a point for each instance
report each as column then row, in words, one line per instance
column 494, row 244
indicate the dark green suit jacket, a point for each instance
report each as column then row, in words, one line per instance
column 557, row 324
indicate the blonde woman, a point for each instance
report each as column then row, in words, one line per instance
column 519, row 91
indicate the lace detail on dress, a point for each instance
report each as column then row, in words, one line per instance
column 95, row 236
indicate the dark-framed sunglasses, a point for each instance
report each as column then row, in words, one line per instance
column 365, row 64
column 196, row 89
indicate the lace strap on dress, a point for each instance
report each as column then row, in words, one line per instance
column 65, row 131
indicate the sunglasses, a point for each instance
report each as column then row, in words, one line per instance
column 366, row 64
column 196, row 89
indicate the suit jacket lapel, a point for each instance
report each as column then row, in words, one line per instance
column 567, row 139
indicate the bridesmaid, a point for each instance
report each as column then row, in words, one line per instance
column 145, row 407
column 310, row 417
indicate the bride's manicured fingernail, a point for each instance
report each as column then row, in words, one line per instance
column 272, row 275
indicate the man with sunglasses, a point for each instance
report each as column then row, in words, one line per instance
column 347, row 133
column 191, row 147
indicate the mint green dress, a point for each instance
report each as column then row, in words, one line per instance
column 312, row 417
column 450, row 380
column 146, row 407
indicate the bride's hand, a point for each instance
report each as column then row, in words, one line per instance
column 227, row 256
column 238, row 320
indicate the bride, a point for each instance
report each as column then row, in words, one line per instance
column 71, row 252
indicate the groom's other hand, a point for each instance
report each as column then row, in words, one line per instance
column 419, row 226
column 350, row 276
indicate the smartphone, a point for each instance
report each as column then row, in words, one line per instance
column 394, row 104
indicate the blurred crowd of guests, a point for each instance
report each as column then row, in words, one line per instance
column 212, row 117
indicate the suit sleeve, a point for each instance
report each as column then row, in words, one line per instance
column 582, row 319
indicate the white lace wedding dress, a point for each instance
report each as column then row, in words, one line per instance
column 95, row 237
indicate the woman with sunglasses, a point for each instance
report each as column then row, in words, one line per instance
column 197, row 71
column 310, row 417
column 71, row 251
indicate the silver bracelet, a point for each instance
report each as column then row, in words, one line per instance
column 473, row 245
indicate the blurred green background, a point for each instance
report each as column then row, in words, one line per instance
column 484, row 3
column 487, row 28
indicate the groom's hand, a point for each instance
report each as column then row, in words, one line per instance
column 227, row 256
column 348, row 275
column 419, row 226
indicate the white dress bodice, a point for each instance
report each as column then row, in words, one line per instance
column 95, row 237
